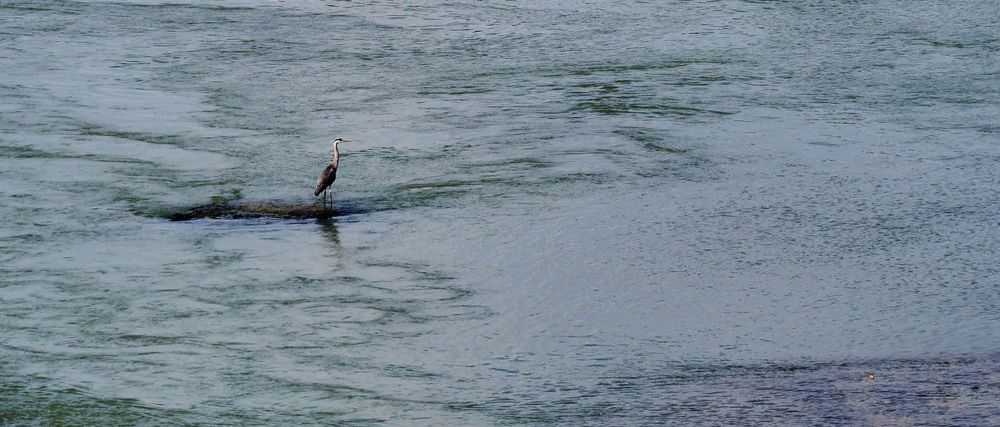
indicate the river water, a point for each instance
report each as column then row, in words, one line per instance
column 569, row 213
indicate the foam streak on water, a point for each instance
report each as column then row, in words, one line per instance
column 589, row 213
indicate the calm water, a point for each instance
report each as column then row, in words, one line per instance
column 571, row 213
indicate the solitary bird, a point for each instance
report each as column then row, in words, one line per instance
column 329, row 174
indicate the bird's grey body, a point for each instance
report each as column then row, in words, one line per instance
column 329, row 174
column 326, row 178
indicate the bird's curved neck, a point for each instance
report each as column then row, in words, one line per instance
column 336, row 155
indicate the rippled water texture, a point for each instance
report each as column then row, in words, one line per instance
column 571, row 213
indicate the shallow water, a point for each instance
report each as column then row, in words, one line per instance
column 679, row 212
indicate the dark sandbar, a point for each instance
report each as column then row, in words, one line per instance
column 255, row 209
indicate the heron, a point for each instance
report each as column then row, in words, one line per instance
column 329, row 174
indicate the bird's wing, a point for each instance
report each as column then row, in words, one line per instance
column 325, row 179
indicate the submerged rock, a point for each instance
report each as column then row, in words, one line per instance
column 255, row 209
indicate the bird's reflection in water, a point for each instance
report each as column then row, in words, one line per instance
column 332, row 234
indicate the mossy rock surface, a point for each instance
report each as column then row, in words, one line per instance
column 241, row 209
